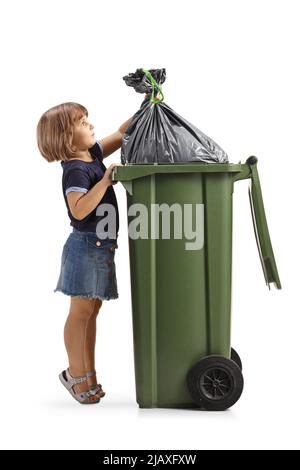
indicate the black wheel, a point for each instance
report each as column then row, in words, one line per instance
column 236, row 358
column 215, row 383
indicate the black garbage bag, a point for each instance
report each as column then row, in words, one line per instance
column 157, row 134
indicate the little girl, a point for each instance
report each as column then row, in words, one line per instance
column 87, row 272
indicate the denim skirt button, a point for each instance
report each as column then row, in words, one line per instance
column 98, row 243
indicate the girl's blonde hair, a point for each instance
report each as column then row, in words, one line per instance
column 55, row 131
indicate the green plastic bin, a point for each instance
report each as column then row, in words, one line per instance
column 181, row 298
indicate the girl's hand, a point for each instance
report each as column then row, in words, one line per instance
column 107, row 178
column 158, row 96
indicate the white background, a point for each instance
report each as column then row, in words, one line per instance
column 233, row 71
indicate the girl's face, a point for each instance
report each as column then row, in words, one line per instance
column 83, row 137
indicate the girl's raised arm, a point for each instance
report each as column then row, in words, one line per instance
column 113, row 142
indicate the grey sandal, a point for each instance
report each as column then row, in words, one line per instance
column 97, row 388
column 82, row 397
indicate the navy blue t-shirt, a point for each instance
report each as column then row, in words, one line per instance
column 80, row 176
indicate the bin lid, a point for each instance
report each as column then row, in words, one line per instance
column 261, row 231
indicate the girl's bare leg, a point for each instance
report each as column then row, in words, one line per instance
column 90, row 342
column 81, row 310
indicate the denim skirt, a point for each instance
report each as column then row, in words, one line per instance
column 88, row 267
